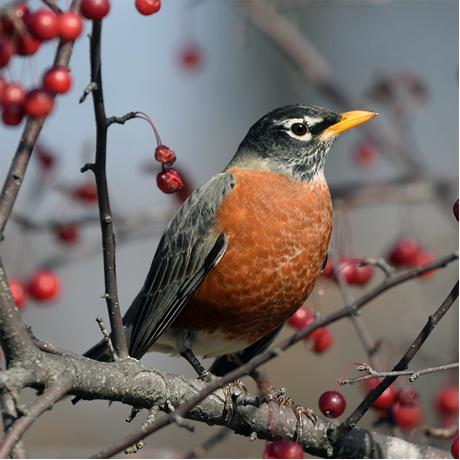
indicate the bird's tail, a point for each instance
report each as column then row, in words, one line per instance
column 100, row 352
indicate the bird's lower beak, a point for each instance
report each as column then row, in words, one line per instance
column 349, row 120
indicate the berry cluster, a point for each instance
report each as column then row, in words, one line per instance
column 43, row 286
column 319, row 340
column 408, row 252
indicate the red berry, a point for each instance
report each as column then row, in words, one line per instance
column 347, row 268
column 446, row 399
column 42, row 24
column 363, row 274
column 328, row 271
column 332, row 404
column 39, row 103
column 324, row 341
column 3, row 86
column 183, row 193
column 26, row 45
column 47, row 159
column 283, row 449
column 87, row 193
column 454, row 448
column 386, row 399
column 316, row 335
column 6, row 50
column 68, row 233
column 44, row 285
column 169, row 181
column 57, row 79
column 366, row 154
column 14, row 94
column 19, row 293
column 191, row 57
column 165, row 155
column 301, row 318
column 407, row 416
column 148, row 7
column 70, row 26
column 405, row 251
column 408, row 397
column 424, row 257
column 456, row 209
column 95, row 9
column 20, row 12
column 12, row 114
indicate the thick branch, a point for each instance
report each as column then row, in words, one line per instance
column 108, row 238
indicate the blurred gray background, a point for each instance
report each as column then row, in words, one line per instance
column 203, row 115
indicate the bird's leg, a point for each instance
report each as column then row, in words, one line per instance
column 203, row 374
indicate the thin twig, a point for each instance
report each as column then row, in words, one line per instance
column 414, row 375
column 52, row 394
column 373, row 395
column 90, row 87
column 121, row 120
column 271, row 353
column 108, row 239
column 107, row 338
column 9, row 416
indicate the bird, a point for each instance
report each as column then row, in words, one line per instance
column 245, row 250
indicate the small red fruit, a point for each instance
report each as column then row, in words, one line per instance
column 47, row 159
column 68, row 233
column 14, row 94
column 26, row 45
column 42, row 24
column 347, row 268
column 363, row 274
column 20, row 12
column 424, row 257
column 165, row 155
column 12, row 114
column 407, row 416
column 455, row 209
column 70, row 26
column 191, row 57
column 44, row 285
column 169, row 181
column 386, row 399
column 95, row 9
column 405, row 251
column 332, row 404
column 454, row 448
column 408, row 397
column 446, row 399
column 324, row 341
column 3, row 86
column 366, row 154
column 39, row 103
column 283, row 449
column 57, row 79
column 6, row 50
column 87, row 193
column 19, row 293
column 328, row 271
column 148, row 7
column 301, row 318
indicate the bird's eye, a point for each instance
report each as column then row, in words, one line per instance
column 299, row 129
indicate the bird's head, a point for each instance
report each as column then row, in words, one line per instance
column 294, row 140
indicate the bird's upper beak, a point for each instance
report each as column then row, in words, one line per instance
column 348, row 120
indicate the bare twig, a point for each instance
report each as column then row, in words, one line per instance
column 10, row 415
column 373, row 395
column 121, row 120
column 52, row 394
column 108, row 240
column 413, row 375
column 90, row 87
column 107, row 338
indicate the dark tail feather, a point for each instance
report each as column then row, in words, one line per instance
column 100, row 352
column 222, row 365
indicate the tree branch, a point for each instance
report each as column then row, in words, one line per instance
column 99, row 169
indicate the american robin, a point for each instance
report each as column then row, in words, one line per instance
column 244, row 251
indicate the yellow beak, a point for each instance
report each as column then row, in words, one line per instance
column 348, row 120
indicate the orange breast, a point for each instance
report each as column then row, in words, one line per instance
column 278, row 234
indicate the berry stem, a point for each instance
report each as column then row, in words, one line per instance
column 149, row 120
column 346, row 370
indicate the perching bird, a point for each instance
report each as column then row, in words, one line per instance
column 243, row 253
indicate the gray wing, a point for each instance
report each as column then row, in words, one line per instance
column 188, row 249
